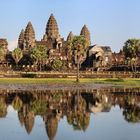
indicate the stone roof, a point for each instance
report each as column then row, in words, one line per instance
column 97, row 50
column 118, row 57
column 29, row 31
column 70, row 36
column 106, row 48
column 51, row 127
column 85, row 32
column 29, row 122
column 29, row 35
column 52, row 30
column 21, row 38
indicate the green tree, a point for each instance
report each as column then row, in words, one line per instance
column 57, row 65
column 79, row 46
column 17, row 55
column 2, row 54
column 17, row 103
column 131, row 49
column 39, row 56
column 39, row 106
column 132, row 113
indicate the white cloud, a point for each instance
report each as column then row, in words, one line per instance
column 12, row 44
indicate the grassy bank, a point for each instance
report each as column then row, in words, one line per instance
column 116, row 81
column 123, row 82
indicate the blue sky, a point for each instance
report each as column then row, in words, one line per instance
column 111, row 22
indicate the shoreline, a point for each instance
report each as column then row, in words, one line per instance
column 64, row 83
column 57, row 86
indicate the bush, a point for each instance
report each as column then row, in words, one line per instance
column 57, row 65
column 29, row 75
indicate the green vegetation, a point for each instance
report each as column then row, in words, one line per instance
column 132, row 48
column 39, row 56
column 17, row 55
column 119, row 81
column 132, row 52
column 113, row 81
column 29, row 75
column 57, row 65
column 17, row 103
column 79, row 46
column 39, row 106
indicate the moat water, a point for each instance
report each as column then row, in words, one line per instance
column 99, row 114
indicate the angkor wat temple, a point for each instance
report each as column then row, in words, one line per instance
column 57, row 48
column 52, row 40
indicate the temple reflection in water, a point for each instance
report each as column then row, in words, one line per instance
column 75, row 105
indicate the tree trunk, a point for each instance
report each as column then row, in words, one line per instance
column 77, row 77
column 16, row 66
column 132, row 67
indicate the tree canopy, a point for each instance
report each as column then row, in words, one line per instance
column 39, row 55
column 131, row 48
column 78, row 45
column 57, row 65
column 132, row 52
column 17, row 54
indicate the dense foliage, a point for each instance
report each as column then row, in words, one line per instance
column 132, row 52
column 57, row 65
column 39, row 56
column 17, row 54
column 78, row 46
column 132, row 48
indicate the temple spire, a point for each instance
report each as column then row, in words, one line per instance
column 52, row 30
column 85, row 32
column 70, row 36
column 29, row 36
column 21, row 39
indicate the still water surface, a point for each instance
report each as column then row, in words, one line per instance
column 105, row 114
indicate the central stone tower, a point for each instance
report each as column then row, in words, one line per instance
column 52, row 31
column 52, row 35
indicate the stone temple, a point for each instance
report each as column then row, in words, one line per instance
column 51, row 39
column 56, row 46
column 95, row 56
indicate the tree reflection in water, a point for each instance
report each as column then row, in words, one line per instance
column 76, row 105
column 131, row 110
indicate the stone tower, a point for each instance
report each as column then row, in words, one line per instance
column 4, row 44
column 70, row 37
column 29, row 37
column 29, row 122
column 52, row 35
column 85, row 32
column 21, row 40
column 52, row 30
column 51, row 127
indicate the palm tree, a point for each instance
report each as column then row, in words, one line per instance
column 131, row 49
column 17, row 54
column 79, row 47
column 39, row 55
